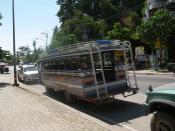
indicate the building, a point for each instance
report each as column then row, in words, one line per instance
column 153, row 5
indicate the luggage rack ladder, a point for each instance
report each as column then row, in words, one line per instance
column 128, row 55
column 101, row 88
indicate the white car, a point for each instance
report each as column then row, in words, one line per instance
column 27, row 73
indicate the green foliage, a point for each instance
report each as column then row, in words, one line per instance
column 5, row 56
column 38, row 53
column 34, row 45
column 132, row 20
column 160, row 26
column 62, row 39
column 102, row 26
column 119, row 32
column 0, row 18
column 66, row 9
column 84, row 20
column 97, row 9
column 26, row 55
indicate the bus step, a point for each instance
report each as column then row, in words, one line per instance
column 101, row 89
column 132, row 84
column 102, row 93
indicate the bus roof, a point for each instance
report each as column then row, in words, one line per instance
column 83, row 48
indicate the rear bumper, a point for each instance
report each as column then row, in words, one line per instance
column 31, row 79
column 113, row 88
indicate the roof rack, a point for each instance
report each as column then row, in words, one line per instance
column 86, row 45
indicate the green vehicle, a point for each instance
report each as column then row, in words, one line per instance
column 161, row 102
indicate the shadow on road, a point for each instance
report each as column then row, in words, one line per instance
column 3, row 85
column 111, row 113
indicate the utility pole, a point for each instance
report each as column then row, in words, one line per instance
column 46, row 35
column 14, row 46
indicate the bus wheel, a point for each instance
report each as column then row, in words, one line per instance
column 69, row 97
column 49, row 90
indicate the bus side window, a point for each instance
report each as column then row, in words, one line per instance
column 46, row 65
column 51, row 65
column 107, row 58
column 119, row 59
column 75, row 62
column 67, row 64
column 59, row 64
column 85, row 62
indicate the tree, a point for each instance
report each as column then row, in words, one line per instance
column 62, row 39
column 97, row 9
column 66, row 9
column 132, row 20
column 159, row 31
column 111, row 11
column 1, row 53
column 34, row 45
column 34, row 55
column 24, row 54
column 5, row 56
column 84, row 20
column 80, row 28
column 119, row 32
column 159, row 27
column 54, row 39
column 102, row 27
column 0, row 18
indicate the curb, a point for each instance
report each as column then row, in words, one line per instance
column 149, row 73
column 31, row 90
column 155, row 73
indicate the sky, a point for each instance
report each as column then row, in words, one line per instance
column 32, row 17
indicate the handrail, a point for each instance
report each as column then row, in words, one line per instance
column 83, row 45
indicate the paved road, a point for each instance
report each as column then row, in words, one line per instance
column 155, row 80
column 125, row 112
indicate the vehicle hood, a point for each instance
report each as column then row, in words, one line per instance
column 167, row 88
column 31, row 72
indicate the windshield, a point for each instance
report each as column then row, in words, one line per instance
column 31, row 68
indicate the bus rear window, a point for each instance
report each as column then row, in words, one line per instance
column 107, row 58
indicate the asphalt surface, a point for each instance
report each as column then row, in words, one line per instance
column 154, row 80
column 125, row 112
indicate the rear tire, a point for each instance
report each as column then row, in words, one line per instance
column 162, row 121
column 69, row 97
column 50, row 90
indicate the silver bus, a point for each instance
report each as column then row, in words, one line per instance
column 93, row 71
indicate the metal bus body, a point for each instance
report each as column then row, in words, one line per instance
column 92, row 70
